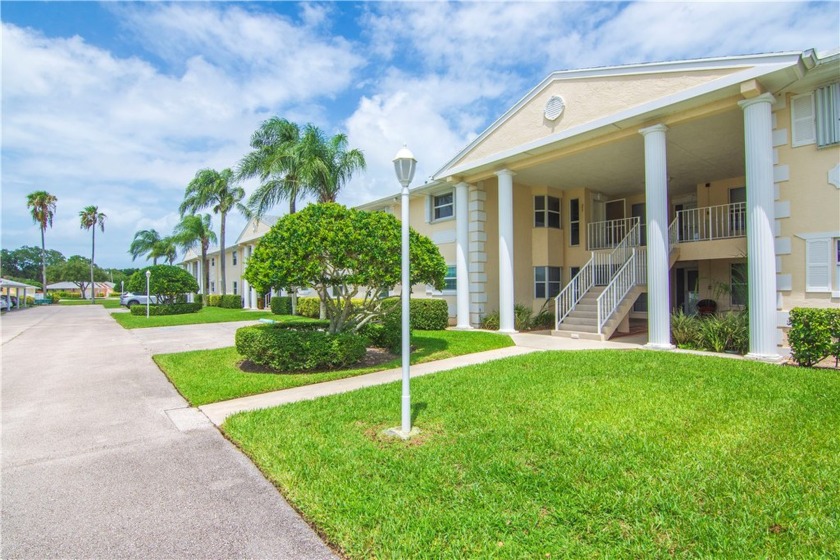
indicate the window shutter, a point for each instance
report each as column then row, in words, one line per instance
column 818, row 265
column 429, row 202
column 802, row 120
column 828, row 115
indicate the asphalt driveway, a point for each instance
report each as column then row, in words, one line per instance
column 103, row 459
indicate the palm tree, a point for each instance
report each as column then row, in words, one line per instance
column 42, row 206
column 91, row 217
column 338, row 167
column 213, row 189
column 166, row 248
column 144, row 243
column 195, row 230
column 275, row 160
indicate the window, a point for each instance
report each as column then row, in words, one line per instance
column 738, row 283
column 546, row 211
column 233, row 256
column 574, row 221
column 546, row 281
column 212, row 287
column 450, row 281
column 234, row 287
column 212, row 261
column 443, row 206
column 815, row 117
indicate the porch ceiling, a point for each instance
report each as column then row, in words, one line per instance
column 698, row 151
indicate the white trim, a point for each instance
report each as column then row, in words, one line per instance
column 818, row 235
column 756, row 67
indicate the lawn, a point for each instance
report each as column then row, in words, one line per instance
column 206, row 315
column 206, row 376
column 107, row 303
column 606, row 454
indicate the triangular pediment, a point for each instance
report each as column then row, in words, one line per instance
column 569, row 101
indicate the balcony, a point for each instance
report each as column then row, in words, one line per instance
column 726, row 221
column 608, row 234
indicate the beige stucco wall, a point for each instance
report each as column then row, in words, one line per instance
column 586, row 100
column 814, row 207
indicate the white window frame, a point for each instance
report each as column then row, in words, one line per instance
column 546, row 212
column 573, row 222
column 233, row 257
column 803, row 125
column 212, row 286
column 548, row 282
column 234, row 288
column 212, row 261
column 451, row 268
column 430, row 207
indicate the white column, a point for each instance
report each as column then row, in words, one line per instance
column 506, row 315
column 253, row 290
column 462, row 245
column 761, row 256
column 658, row 249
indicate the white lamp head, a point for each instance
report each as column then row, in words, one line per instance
column 148, row 273
column 404, row 165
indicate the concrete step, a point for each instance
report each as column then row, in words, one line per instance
column 570, row 320
column 578, row 334
column 577, row 328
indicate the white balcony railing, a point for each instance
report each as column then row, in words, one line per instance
column 608, row 234
column 712, row 222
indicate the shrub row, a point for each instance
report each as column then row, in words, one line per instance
column 288, row 349
column 229, row 301
column 814, row 335
column 524, row 319
column 169, row 309
column 281, row 305
column 719, row 332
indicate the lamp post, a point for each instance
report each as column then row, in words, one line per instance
column 148, row 275
column 122, row 287
column 404, row 165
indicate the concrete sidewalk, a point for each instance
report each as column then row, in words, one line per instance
column 103, row 459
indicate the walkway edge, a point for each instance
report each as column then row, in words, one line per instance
column 218, row 412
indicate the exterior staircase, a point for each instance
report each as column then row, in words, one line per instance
column 598, row 301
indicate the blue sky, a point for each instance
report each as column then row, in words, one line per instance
column 119, row 104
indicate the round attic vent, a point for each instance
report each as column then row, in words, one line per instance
column 554, row 107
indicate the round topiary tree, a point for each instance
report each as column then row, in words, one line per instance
column 342, row 253
column 167, row 283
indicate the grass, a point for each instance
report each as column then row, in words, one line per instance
column 606, row 454
column 206, row 376
column 206, row 315
column 107, row 303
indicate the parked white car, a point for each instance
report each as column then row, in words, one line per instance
column 5, row 303
column 128, row 299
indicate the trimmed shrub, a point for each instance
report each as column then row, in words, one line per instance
column 168, row 309
column 198, row 298
column 168, row 283
column 287, row 349
column 53, row 299
column 814, row 335
column 30, row 300
column 387, row 332
column 281, row 305
column 429, row 314
column 524, row 319
column 213, row 300
column 308, row 307
column 230, row 301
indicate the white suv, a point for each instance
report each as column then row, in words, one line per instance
column 128, row 299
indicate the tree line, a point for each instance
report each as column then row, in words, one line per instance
column 290, row 161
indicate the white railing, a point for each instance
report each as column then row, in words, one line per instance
column 569, row 296
column 599, row 270
column 641, row 266
column 608, row 234
column 615, row 292
column 712, row 222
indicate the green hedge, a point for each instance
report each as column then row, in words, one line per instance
column 287, row 349
column 814, row 335
column 308, row 307
column 281, row 305
column 429, row 314
column 229, row 301
column 386, row 333
column 170, row 309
